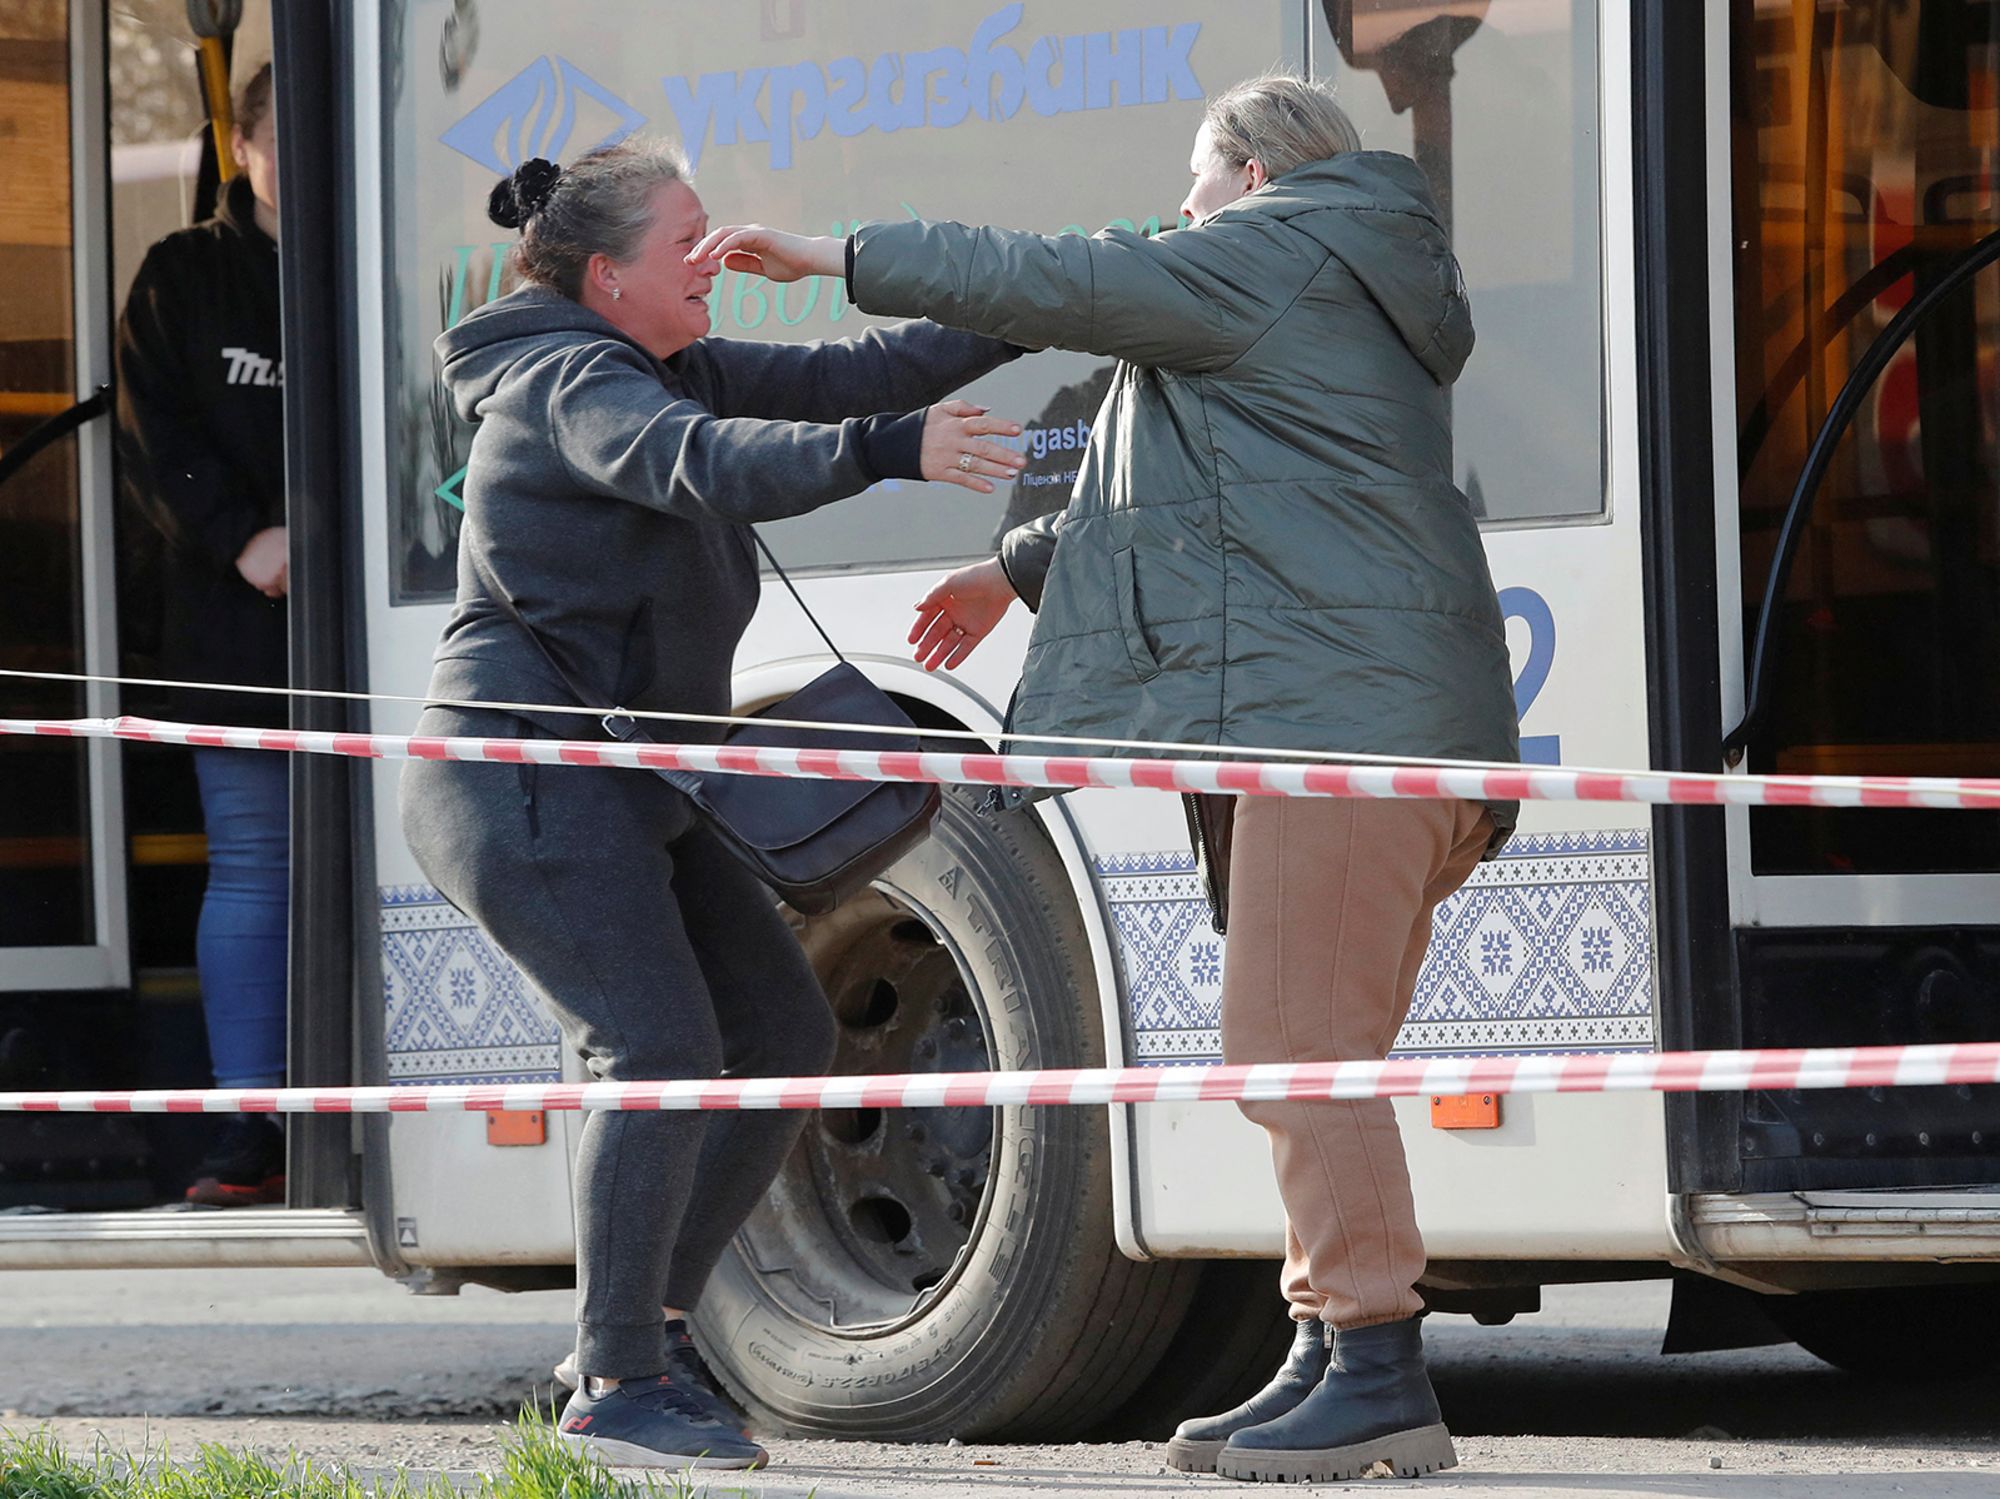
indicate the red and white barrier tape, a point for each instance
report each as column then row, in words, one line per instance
column 1070, row 772
column 1657, row 1072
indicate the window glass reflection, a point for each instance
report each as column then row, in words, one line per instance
column 1497, row 100
column 45, row 856
column 1867, row 161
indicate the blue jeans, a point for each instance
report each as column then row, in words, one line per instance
column 240, row 944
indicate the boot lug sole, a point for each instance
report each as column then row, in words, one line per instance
column 1191, row 1456
column 1424, row 1449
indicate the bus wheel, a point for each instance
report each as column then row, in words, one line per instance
column 1908, row 1333
column 1235, row 1336
column 925, row 1273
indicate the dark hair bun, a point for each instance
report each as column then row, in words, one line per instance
column 518, row 198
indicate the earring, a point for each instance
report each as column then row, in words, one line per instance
column 617, row 292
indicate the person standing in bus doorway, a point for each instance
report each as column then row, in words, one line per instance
column 619, row 460
column 1264, row 548
column 201, row 444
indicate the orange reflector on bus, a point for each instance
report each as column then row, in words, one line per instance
column 517, row 1128
column 1465, row 1111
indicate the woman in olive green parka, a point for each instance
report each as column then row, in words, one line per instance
column 1264, row 549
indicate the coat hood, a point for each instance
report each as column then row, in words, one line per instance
column 1375, row 211
column 490, row 341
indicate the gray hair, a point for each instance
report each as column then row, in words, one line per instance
column 601, row 204
column 1281, row 120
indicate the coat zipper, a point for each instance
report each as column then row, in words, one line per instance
column 1205, row 862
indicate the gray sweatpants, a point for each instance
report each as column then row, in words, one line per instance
column 661, row 957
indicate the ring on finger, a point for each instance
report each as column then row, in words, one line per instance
column 965, row 462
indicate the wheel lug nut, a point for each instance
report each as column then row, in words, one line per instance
column 956, row 1212
column 914, row 1133
column 927, row 1048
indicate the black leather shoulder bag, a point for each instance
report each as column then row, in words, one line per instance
column 814, row 842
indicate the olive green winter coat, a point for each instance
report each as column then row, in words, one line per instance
column 1264, row 546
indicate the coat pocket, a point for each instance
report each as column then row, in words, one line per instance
column 1145, row 665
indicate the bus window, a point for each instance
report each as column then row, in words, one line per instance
column 1867, row 142
column 1497, row 101
column 816, row 118
column 46, row 852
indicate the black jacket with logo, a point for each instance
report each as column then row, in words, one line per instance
column 201, row 443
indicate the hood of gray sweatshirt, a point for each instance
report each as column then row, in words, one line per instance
column 608, row 494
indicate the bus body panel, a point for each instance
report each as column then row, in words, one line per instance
column 1198, row 1180
column 1207, row 1189
column 1560, row 1178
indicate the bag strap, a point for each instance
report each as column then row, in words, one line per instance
column 619, row 724
column 796, row 595
column 506, row 602
column 616, row 722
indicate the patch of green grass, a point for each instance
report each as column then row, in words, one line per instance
column 533, row 1465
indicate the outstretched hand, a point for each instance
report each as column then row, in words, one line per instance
column 960, row 612
column 768, row 252
column 955, row 452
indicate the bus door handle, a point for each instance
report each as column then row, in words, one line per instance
column 1840, row 416
column 54, row 429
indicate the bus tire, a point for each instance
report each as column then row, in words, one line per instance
column 853, row 1303
column 1233, row 1339
column 1912, row 1334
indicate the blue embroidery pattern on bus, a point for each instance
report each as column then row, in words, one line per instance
column 935, row 89
column 457, row 1010
column 1546, row 948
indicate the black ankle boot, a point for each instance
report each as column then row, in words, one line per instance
column 1375, row 1405
column 1195, row 1443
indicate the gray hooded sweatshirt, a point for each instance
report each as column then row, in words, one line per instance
column 611, row 494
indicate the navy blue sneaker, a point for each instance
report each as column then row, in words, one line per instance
column 685, row 1367
column 654, row 1423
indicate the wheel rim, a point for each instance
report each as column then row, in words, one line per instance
column 871, row 1215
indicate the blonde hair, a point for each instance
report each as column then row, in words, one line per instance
column 1281, row 120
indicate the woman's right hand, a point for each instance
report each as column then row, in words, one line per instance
column 954, row 451
column 960, row 612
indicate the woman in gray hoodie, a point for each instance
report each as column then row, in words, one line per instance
column 620, row 458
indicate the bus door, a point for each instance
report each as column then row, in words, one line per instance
column 63, row 947
column 1861, row 593
column 61, row 902
column 103, row 855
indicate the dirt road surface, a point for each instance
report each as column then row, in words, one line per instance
column 346, row 1366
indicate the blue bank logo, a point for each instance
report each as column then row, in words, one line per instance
column 990, row 79
column 535, row 112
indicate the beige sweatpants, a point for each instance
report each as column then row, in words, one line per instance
column 1330, row 907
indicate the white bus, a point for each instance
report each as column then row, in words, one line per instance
column 1685, row 224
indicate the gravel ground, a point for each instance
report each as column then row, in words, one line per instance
column 343, row 1365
